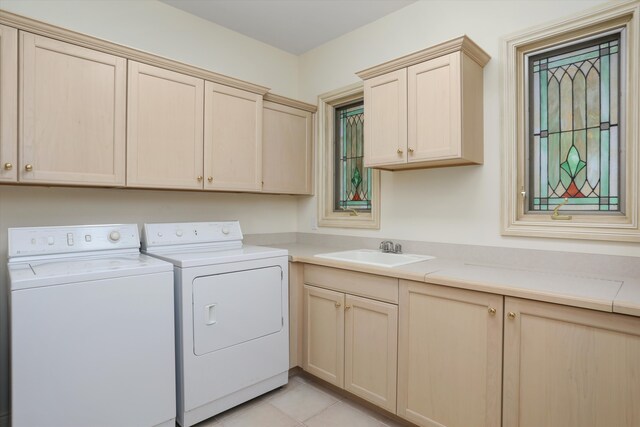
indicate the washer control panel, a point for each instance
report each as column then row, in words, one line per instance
column 183, row 233
column 29, row 241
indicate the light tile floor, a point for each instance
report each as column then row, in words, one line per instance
column 299, row 403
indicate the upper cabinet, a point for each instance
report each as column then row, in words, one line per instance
column 287, row 146
column 425, row 109
column 385, row 124
column 232, row 139
column 164, row 128
column 72, row 114
column 8, row 104
column 77, row 110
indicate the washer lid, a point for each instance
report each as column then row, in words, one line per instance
column 48, row 272
column 196, row 257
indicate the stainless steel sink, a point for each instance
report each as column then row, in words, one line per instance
column 374, row 257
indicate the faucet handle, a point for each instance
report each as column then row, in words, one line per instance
column 398, row 248
column 386, row 246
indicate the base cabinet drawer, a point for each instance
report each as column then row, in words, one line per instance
column 449, row 356
column 351, row 342
column 570, row 367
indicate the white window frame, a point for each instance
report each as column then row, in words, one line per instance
column 327, row 104
column 516, row 221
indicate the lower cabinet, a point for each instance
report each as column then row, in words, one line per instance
column 371, row 350
column 351, row 342
column 570, row 367
column 323, row 339
column 449, row 356
column 559, row 366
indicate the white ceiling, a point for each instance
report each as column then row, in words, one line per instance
column 295, row 26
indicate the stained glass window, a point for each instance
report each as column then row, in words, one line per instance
column 352, row 180
column 574, row 123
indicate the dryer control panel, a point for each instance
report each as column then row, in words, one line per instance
column 30, row 241
column 188, row 233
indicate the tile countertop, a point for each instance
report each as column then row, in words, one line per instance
column 619, row 295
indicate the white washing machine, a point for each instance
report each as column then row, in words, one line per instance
column 92, row 338
column 232, row 326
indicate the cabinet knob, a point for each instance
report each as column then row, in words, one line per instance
column 492, row 311
column 347, row 307
column 8, row 166
column 511, row 315
column 210, row 179
column 28, row 168
column 410, row 150
column 338, row 305
column 199, row 178
column 399, row 151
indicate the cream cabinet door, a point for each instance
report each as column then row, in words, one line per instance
column 570, row 367
column 449, row 356
column 8, row 104
column 73, row 104
column 232, row 139
column 323, row 339
column 371, row 349
column 434, row 130
column 385, row 125
column 165, row 125
column 287, row 149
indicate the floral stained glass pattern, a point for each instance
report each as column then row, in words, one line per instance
column 352, row 179
column 574, row 123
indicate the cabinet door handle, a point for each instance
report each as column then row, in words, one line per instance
column 511, row 315
column 410, row 150
column 28, row 167
column 8, row 166
column 210, row 179
column 399, row 151
column 199, row 178
column 347, row 307
column 492, row 311
column 338, row 305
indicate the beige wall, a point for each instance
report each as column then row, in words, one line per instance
column 452, row 205
column 160, row 29
column 156, row 27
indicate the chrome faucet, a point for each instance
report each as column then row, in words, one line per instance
column 387, row 246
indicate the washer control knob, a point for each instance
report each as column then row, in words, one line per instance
column 225, row 230
column 114, row 236
column 179, row 233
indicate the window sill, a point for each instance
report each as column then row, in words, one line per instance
column 346, row 220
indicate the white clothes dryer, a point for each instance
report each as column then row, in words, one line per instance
column 232, row 326
column 92, row 338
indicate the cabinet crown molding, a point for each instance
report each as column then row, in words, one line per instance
column 462, row 43
column 48, row 30
column 283, row 100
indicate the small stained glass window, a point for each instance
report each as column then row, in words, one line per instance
column 574, row 127
column 352, row 183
